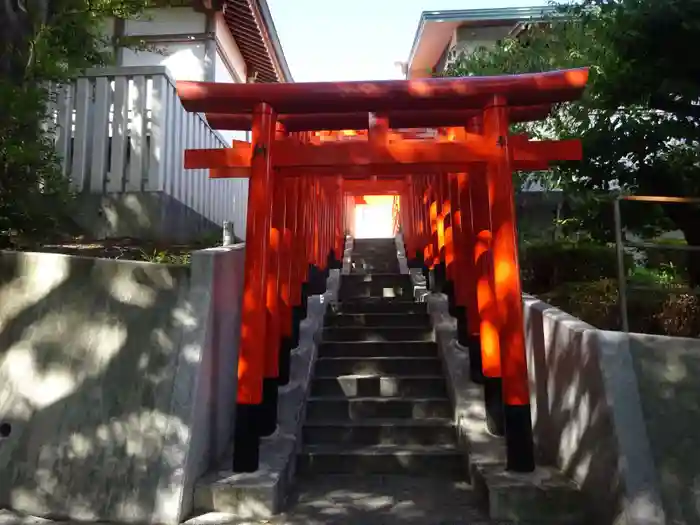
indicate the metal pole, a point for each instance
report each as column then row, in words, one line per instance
column 621, row 271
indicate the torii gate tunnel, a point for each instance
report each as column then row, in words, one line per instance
column 457, row 214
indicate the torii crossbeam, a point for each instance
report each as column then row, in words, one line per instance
column 455, row 206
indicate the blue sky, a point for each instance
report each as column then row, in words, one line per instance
column 356, row 39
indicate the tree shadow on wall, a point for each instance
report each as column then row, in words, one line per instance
column 573, row 423
column 89, row 353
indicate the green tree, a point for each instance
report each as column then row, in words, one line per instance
column 42, row 43
column 638, row 119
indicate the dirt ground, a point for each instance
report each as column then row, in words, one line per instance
column 124, row 248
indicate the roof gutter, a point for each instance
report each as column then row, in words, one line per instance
column 275, row 41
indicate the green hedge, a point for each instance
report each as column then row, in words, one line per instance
column 545, row 266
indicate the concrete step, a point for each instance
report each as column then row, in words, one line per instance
column 443, row 461
column 365, row 267
column 387, row 279
column 375, row 252
column 378, row 349
column 381, row 306
column 374, row 241
column 436, row 431
column 378, row 386
column 407, row 366
column 324, row 408
column 375, row 256
column 374, row 289
column 390, row 319
column 378, row 333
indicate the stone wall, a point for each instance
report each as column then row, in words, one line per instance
column 117, row 382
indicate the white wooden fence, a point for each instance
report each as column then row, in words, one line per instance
column 123, row 130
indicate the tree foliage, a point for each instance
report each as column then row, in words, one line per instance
column 639, row 118
column 42, row 43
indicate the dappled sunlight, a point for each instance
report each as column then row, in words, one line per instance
column 101, row 382
column 18, row 294
column 382, row 499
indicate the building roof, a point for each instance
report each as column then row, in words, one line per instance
column 251, row 25
column 435, row 29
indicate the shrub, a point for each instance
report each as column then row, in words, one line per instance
column 547, row 265
column 649, row 312
column 659, row 258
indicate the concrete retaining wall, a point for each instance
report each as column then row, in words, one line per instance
column 618, row 413
column 117, row 382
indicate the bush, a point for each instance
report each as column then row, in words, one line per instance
column 547, row 265
column 649, row 312
column 659, row 258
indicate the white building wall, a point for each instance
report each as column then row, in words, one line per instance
column 184, row 60
column 167, row 21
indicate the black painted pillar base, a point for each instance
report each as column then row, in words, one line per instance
column 285, row 359
column 303, row 307
column 268, row 407
column 298, row 315
column 493, row 401
column 416, row 261
column 334, row 263
column 246, row 439
column 520, row 450
column 476, row 365
column 439, row 276
column 316, row 280
column 426, row 274
column 460, row 313
column 448, row 288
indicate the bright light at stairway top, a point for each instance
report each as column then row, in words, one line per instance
column 389, row 95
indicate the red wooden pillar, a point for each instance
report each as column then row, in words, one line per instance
column 516, row 396
column 449, row 208
column 460, row 267
column 485, row 294
column 297, row 243
column 442, row 218
column 251, row 356
column 424, row 206
column 340, row 221
column 431, row 221
column 405, row 211
column 321, row 224
column 287, row 282
column 315, row 216
column 468, row 275
column 268, row 415
column 409, row 218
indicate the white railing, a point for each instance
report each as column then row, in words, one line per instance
column 123, row 130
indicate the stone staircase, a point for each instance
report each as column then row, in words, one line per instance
column 378, row 401
column 387, row 435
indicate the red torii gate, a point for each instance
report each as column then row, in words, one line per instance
column 456, row 206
